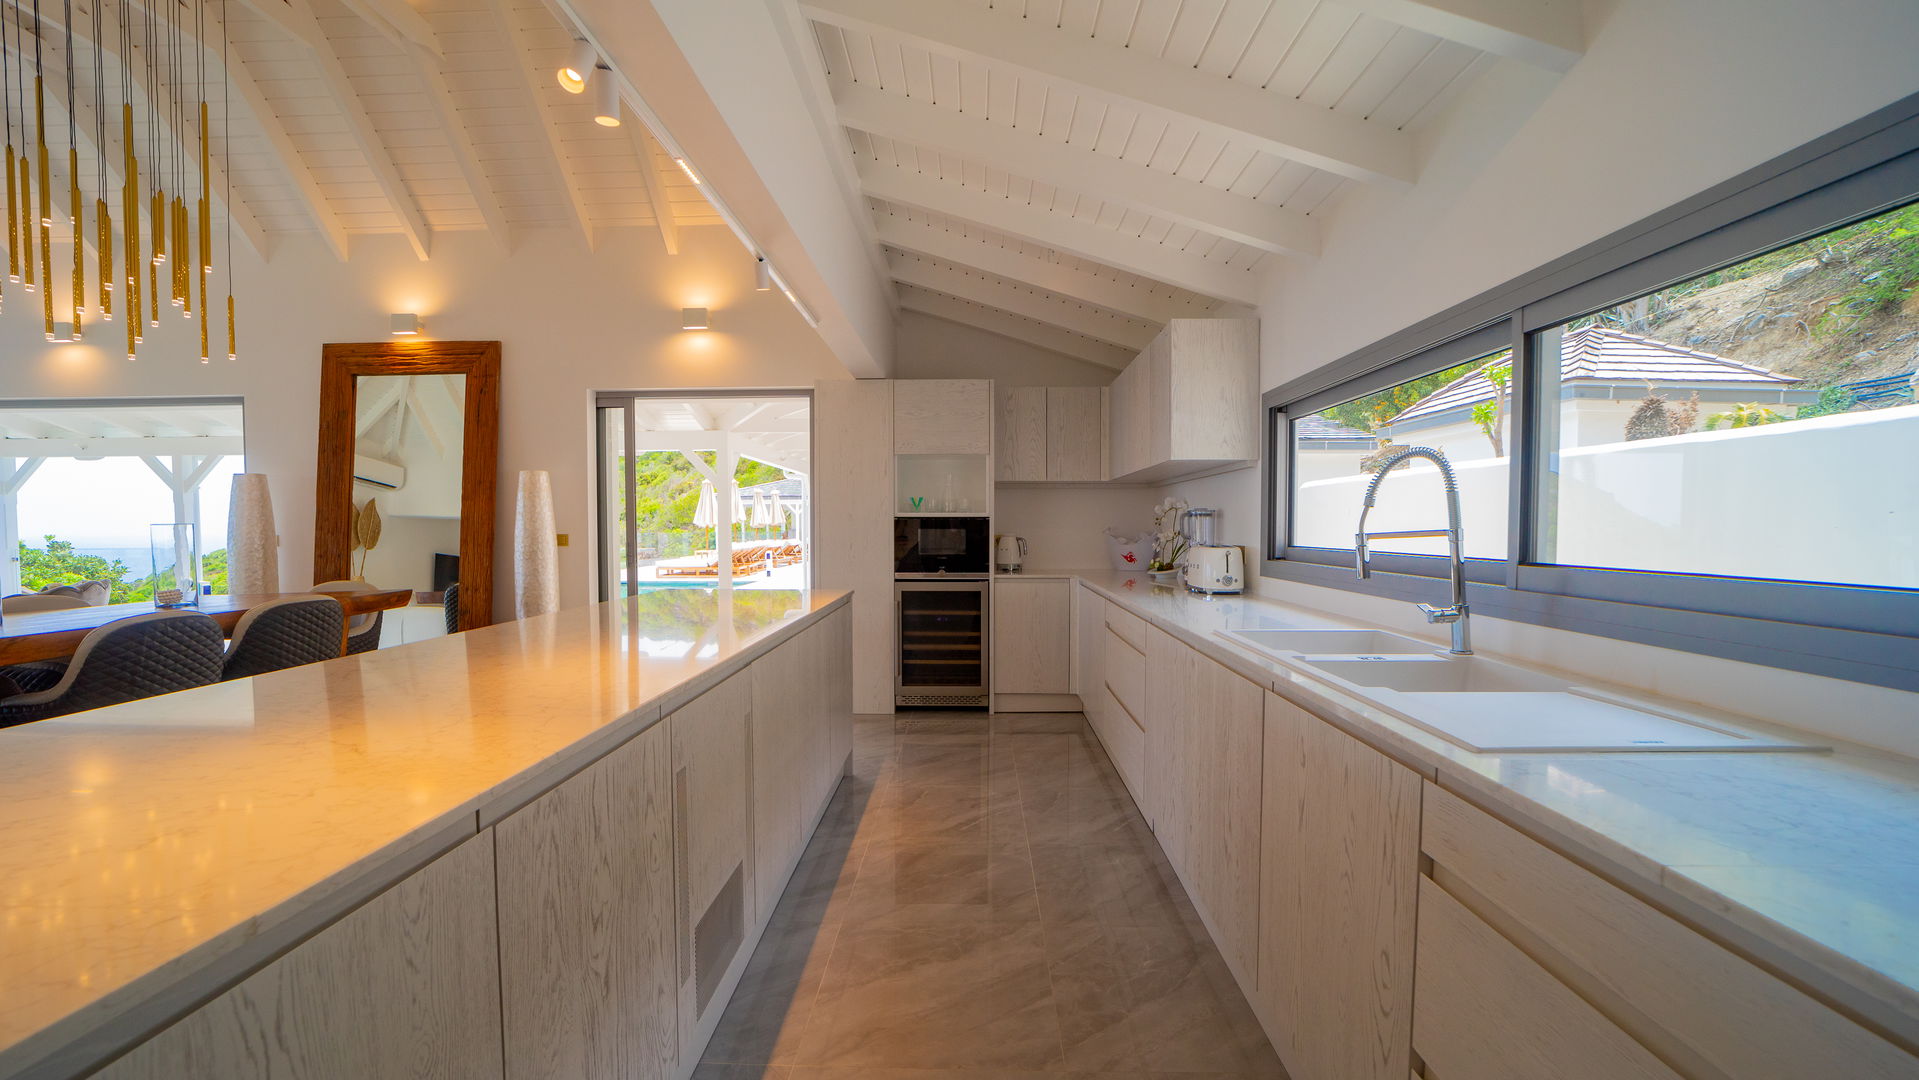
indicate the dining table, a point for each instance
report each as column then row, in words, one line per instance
column 55, row 635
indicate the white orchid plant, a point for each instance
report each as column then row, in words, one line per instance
column 1169, row 545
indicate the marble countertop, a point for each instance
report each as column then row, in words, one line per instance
column 153, row 844
column 1808, row 862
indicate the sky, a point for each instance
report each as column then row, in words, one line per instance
column 110, row 502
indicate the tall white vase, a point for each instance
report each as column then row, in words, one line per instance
column 536, row 552
column 253, row 544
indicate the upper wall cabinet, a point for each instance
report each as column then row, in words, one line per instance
column 1188, row 403
column 1055, row 433
column 943, row 416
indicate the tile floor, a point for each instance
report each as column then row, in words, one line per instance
column 984, row 902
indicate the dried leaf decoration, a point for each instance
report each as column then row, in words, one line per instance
column 367, row 528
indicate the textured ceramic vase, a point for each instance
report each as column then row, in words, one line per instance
column 536, row 553
column 253, row 543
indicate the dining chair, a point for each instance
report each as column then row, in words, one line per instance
column 22, row 603
column 362, row 631
column 126, row 660
column 450, row 606
column 284, row 633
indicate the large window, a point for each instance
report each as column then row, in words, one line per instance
column 81, row 482
column 1698, row 432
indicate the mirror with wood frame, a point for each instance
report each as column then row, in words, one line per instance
column 409, row 437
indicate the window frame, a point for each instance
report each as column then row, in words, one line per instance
column 1859, row 633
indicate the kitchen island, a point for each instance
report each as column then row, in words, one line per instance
column 396, row 863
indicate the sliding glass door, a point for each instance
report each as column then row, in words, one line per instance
column 704, row 489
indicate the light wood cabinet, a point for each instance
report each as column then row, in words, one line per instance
column 1188, row 402
column 1204, row 732
column 942, row 416
column 406, row 985
column 1075, row 433
column 1695, row 1003
column 1032, row 636
column 853, row 492
column 1487, row 1011
column 1054, row 433
column 713, row 830
column 588, row 957
column 1339, row 865
column 801, row 736
column 1020, row 434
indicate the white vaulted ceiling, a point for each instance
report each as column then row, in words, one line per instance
column 1091, row 168
column 356, row 117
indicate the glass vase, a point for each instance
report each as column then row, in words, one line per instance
column 176, row 564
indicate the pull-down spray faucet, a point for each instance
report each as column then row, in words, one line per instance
column 1454, row 616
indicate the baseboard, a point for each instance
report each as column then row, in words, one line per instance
column 1010, row 703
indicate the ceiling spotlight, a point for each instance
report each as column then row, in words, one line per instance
column 580, row 61
column 762, row 276
column 606, row 100
column 405, row 324
column 687, row 169
column 693, row 318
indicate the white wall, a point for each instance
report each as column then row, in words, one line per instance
column 570, row 322
column 1670, row 98
column 934, row 348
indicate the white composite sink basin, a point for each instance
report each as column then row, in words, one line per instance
column 1435, row 673
column 1490, row 707
column 1330, row 642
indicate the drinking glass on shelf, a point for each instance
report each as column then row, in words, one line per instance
column 175, row 546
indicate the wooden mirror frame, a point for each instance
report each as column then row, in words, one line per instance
column 340, row 367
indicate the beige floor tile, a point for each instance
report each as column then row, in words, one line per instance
column 983, row 901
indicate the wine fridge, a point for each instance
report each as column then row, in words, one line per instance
column 943, row 646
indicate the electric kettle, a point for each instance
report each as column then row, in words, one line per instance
column 1009, row 553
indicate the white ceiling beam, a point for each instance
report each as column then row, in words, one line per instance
column 982, row 253
column 1019, row 300
column 549, row 130
column 1007, row 324
column 465, row 154
column 397, row 22
column 1116, row 180
column 1544, row 33
column 406, row 209
column 1237, row 111
column 1083, row 238
column 651, row 171
column 121, row 446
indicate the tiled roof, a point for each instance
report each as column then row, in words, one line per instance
column 1596, row 354
column 1319, row 427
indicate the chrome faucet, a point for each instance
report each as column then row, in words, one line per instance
column 1455, row 615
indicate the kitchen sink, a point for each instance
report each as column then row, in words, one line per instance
column 1435, row 674
column 1331, row 642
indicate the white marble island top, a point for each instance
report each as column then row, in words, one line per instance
column 170, row 842
column 1808, row 862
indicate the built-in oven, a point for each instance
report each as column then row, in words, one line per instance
column 925, row 546
column 943, row 642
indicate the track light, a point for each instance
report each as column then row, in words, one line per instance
column 580, row 61
column 606, row 100
column 762, row 276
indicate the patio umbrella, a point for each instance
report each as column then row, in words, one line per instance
column 776, row 512
column 706, row 515
column 739, row 504
column 762, row 512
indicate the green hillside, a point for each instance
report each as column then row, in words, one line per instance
column 668, row 491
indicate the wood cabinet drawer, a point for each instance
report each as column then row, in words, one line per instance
column 1125, row 674
column 1701, row 1006
column 1483, row 1010
column 1127, row 625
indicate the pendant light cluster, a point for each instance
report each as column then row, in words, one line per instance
column 161, row 60
column 582, row 70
